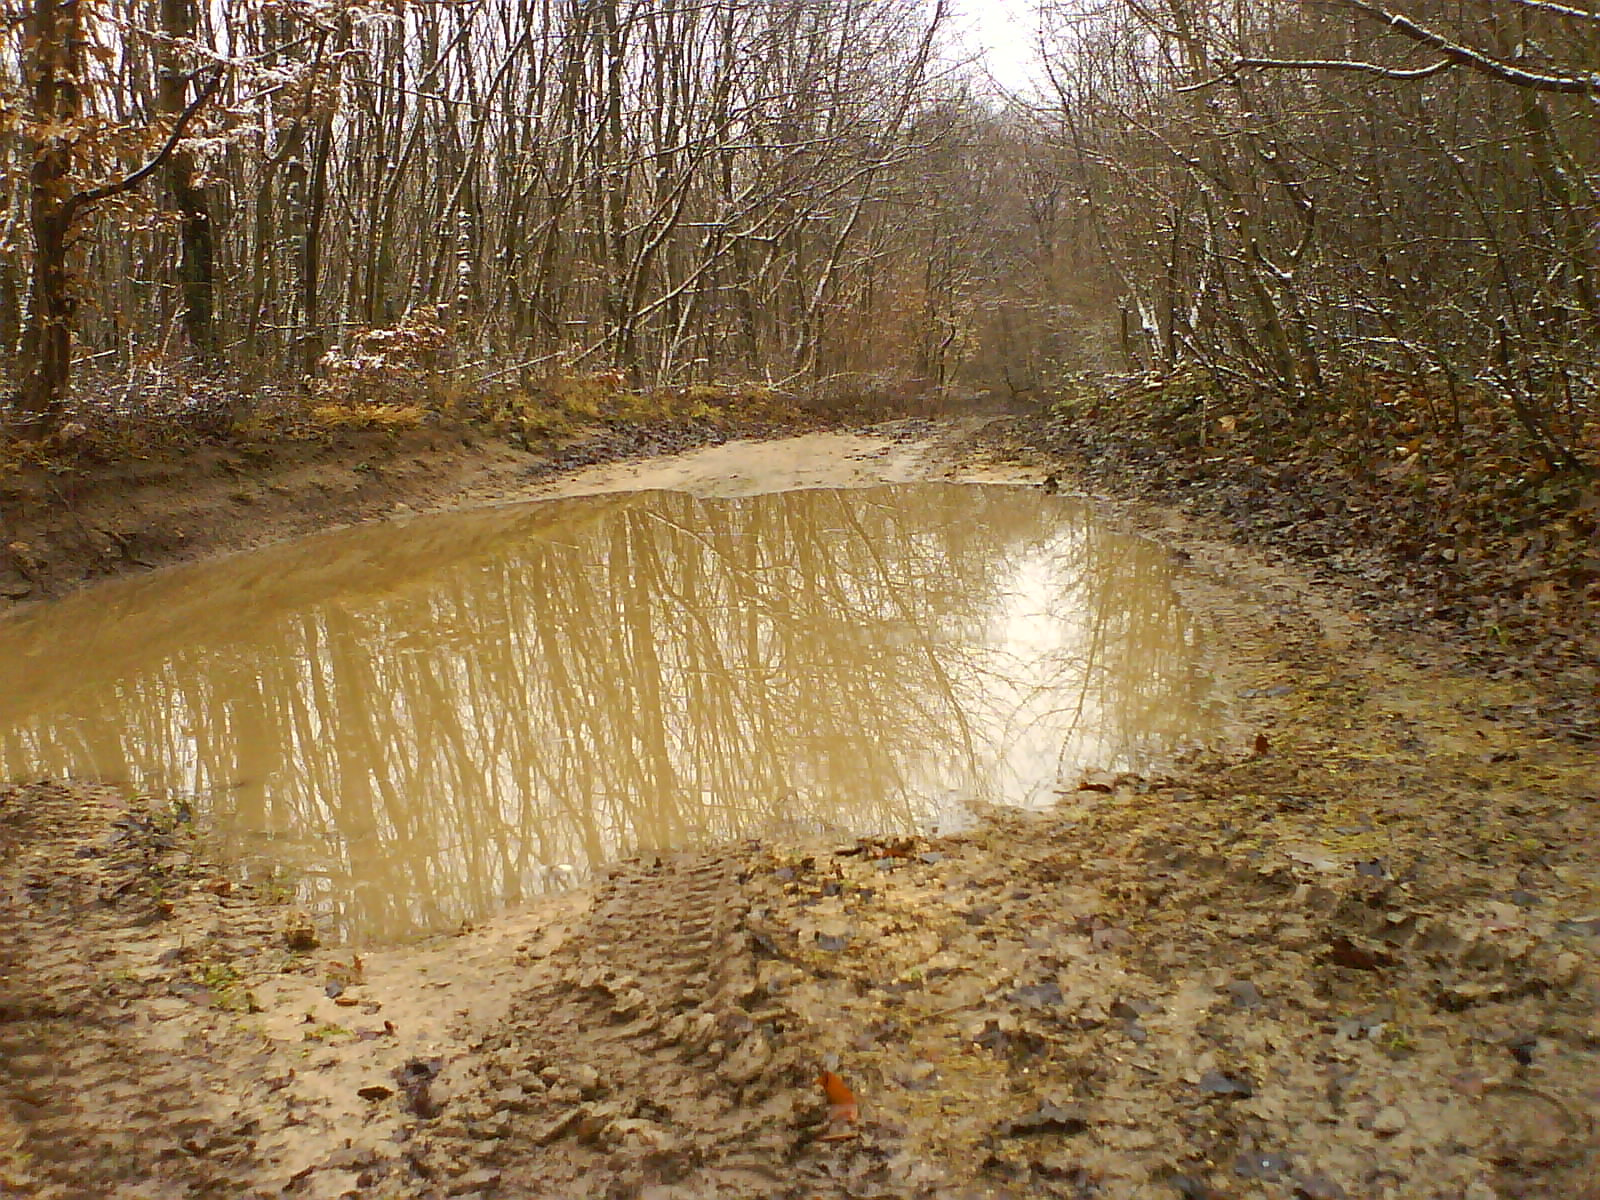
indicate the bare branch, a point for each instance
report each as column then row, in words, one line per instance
column 1559, row 10
column 1476, row 60
column 1324, row 64
column 92, row 196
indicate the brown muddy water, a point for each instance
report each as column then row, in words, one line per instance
column 423, row 722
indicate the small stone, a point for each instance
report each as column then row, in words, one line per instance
column 1260, row 1166
column 1244, row 993
column 1388, row 1122
column 1215, row 1083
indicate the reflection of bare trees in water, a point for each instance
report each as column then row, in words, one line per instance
column 443, row 710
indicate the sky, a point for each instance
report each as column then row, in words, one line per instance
column 1004, row 31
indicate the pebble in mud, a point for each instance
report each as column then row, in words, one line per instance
column 1389, row 1121
column 1260, row 1166
column 1244, row 994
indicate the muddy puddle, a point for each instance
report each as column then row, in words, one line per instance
column 423, row 722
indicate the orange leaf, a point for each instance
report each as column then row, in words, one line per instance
column 842, row 1110
column 837, row 1091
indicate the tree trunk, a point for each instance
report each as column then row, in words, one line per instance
column 56, row 31
column 196, row 263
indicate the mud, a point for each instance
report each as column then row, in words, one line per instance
column 1351, row 949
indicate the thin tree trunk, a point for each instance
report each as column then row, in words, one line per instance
column 197, row 254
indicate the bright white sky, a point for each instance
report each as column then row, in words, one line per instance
column 1003, row 30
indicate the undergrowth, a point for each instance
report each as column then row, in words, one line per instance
column 1439, row 501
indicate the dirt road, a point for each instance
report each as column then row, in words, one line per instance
column 1351, row 951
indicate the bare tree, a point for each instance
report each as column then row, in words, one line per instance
column 55, row 136
column 1422, row 200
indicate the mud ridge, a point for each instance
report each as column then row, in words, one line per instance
column 651, row 1031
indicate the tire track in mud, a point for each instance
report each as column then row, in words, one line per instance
column 648, row 1053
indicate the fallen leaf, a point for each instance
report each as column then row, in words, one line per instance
column 837, row 1091
column 843, row 1113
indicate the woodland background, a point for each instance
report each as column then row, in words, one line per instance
column 1325, row 208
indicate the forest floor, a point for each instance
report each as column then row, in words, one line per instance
column 1350, row 950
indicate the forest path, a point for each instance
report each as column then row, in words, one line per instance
column 1349, row 950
